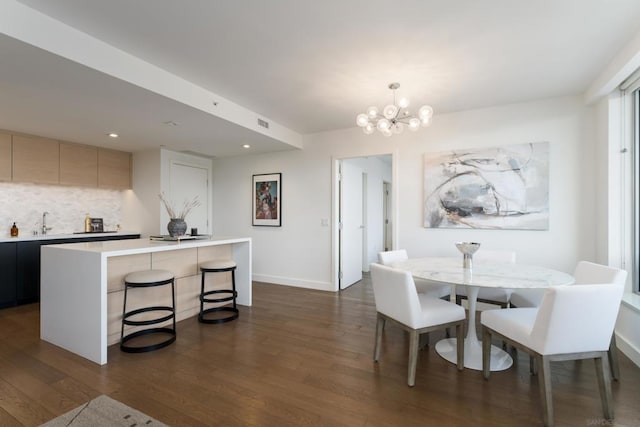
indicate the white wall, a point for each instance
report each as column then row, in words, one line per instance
column 565, row 124
column 300, row 252
column 143, row 209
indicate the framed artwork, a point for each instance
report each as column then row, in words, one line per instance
column 267, row 200
column 494, row 188
column 97, row 225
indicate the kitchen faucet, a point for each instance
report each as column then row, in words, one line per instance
column 44, row 223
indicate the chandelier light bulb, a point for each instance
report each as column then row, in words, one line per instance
column 368, row 129
column 414, row 124
column 425, row 122
column 387, row 133
column 372, row 112
column 390, row 111
column 403, row 103
column 383, row 125
column 362, row 120
column 425, row 112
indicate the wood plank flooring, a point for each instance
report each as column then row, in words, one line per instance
column 297, row 357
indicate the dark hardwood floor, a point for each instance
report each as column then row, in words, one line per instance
column 296, row 357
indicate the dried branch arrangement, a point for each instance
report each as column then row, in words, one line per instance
column 187, row 206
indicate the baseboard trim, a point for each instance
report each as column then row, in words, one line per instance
column 299, row 283
column 628, row 349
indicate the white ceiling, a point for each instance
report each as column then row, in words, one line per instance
column 310, row 66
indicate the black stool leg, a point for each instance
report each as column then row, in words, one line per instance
column 128, row 319
column 173, row 302
column 124, row 312
column 204, row 298
column 233, row 287
column 201, row 297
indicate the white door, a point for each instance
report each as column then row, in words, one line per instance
column 187, row 182
column 352, row 228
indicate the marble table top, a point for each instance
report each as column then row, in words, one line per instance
column 484, row 273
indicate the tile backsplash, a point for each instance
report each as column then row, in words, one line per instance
column 66, row 207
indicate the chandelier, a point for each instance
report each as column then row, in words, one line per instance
column 394, row 117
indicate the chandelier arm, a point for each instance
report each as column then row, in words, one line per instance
column 405, row 119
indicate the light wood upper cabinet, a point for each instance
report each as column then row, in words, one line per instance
column 114, row 169
column 5, row 157
column 78, row 165
column 35, row 160
column 26, row 158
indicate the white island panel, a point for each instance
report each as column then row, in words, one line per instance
column 73, row 303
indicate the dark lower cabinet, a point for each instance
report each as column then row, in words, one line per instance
column 28, row 271
column 20, row 267
column 7, row 274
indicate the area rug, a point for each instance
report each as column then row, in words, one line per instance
column 103, row 411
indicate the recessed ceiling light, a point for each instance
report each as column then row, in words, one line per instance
column 246, row 146
column 113, row 135
column 171, row 123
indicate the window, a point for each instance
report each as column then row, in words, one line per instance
column 630, row 178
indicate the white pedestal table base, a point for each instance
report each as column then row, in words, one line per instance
column 447, row 348
column 500, row 359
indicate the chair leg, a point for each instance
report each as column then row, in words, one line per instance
column 613, row 358
column 460, row 345
column 544, row 382
column 378, row 340
column 604, row 385
column 486, row 352
column 414, row 339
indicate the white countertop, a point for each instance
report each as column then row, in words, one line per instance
column 484, row 274
column 143, row 245
column 28, row 238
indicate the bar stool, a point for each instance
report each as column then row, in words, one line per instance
column 225, row 295
column 148, row 279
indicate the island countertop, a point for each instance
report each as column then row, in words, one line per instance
column 145, row 245
column 82, row 285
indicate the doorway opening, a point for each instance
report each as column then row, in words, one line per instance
column 363, row 216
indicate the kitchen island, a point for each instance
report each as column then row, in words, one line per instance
column 82, row 285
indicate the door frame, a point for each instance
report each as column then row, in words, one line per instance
column 335, row 201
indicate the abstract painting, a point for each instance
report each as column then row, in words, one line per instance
column 498, row 188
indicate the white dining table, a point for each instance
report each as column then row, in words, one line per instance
column 483, row 274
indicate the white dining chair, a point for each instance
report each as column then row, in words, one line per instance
column 585, row 273
column 423, row 286
column 398, row 301
column 560, row 329
column 495, row 296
